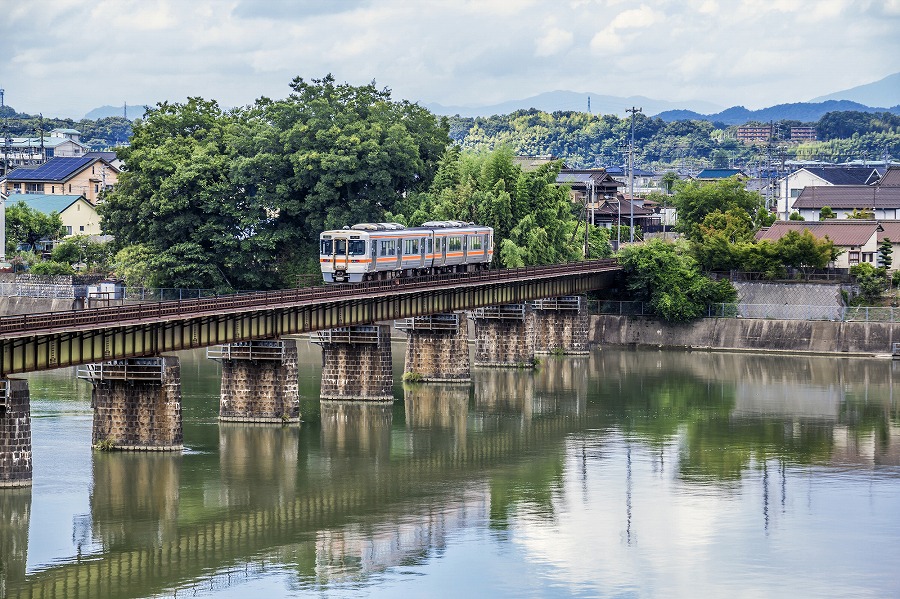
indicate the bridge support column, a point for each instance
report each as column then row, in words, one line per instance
column 137, row 404
column 437, row 348
column 356, row 363
column 15, row 433
column 504, row 336
column 561, row 325
column 259, row 381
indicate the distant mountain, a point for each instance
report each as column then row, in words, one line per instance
column 801, row 111
column 569, row 100
column 884, row 92
column 134, row 111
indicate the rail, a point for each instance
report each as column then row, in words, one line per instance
column 364, row 334
column 434, row 322
column 504, row 312
column 4, row 394
column 99, row 316
column 131, row 369
column 568, row 302
column 247, row 350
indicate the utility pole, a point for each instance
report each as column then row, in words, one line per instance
column 632, row 110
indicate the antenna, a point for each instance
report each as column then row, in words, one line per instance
column 589, row 103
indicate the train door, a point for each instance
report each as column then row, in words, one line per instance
column 341, row 259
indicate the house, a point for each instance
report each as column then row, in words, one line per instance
column 719, row 174
column 644, row 181
column 79, row 216
column 621, row 210
column 890, row 229
column 530, row 163
column 857, row 239
column 881, row 197
column 30, row 151
column 85, row 175
column 588, row 186
column 791, row 186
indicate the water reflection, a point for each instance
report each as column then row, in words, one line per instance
column 258, row 463
column 356, row 428
column 671, row 460
column 15, row 516
column 134, row 498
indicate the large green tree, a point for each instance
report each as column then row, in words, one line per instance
column 695, row 200
column 238, row 198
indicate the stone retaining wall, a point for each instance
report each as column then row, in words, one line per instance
column 747, row 334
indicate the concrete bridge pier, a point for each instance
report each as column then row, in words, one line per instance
column 15, row 433
column 259, row 381
column 561, row 325
column 437, row 348
column 137, row 404
column 356, row 363
column 504, row 336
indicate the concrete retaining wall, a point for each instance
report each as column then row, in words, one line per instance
column 747, row 334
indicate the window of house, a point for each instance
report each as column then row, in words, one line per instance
column 53, row 189
column 868, row 257
column 853, row 258
column 34, row 188
column 96, row 188
column 70, row 188
column 795, row 193
column 68, row 230
column 81, row 228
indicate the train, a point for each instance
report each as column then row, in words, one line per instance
column 373, row 251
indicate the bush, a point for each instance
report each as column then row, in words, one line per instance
column 51, row 267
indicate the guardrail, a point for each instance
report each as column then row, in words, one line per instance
column 131, row 369
column 247, row 350
column 364, row 334
column 117, row 315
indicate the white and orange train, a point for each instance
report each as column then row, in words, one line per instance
column 371, row 251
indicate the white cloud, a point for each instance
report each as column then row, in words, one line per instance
column 448, row 51
column 553, row 42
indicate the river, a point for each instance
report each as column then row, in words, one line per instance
column 625, row 473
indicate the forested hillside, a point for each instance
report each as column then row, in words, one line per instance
column 585, row 140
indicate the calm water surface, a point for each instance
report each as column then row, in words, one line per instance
column 621, row 474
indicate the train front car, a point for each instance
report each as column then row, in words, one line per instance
column 344, row 255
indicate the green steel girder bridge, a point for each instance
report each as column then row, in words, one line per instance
column 33, row 342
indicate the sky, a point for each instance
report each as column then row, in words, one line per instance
column 63, row 58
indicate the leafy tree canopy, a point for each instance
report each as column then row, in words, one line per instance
column 27, row 225
column 237, row 199
column 668, row 278
column 695, row 200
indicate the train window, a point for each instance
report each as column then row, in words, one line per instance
column 357, row 247
column 388, row 248
column 455, row 244
column 340, row 247
column 412, row 247
column 326, row 247
column 430, row 245
column 476, row 242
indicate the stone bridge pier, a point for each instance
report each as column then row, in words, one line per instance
column 259, row 381
column 504, row 335
column 15, row 433
column 137, row 403
column 356, row 363
column 437, row 348
column 561, row 325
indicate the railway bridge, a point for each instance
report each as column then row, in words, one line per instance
column 137, row 389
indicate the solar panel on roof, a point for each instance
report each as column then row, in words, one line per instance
column 53, row 170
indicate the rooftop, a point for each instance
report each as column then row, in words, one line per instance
column 55, row 169
column 44, row 203
column 840, row 232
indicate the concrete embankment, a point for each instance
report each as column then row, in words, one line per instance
column 744, row 334
column 32, row 305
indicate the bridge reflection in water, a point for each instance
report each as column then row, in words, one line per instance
column 373, row 486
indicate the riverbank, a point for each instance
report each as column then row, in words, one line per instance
column 745, row 334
